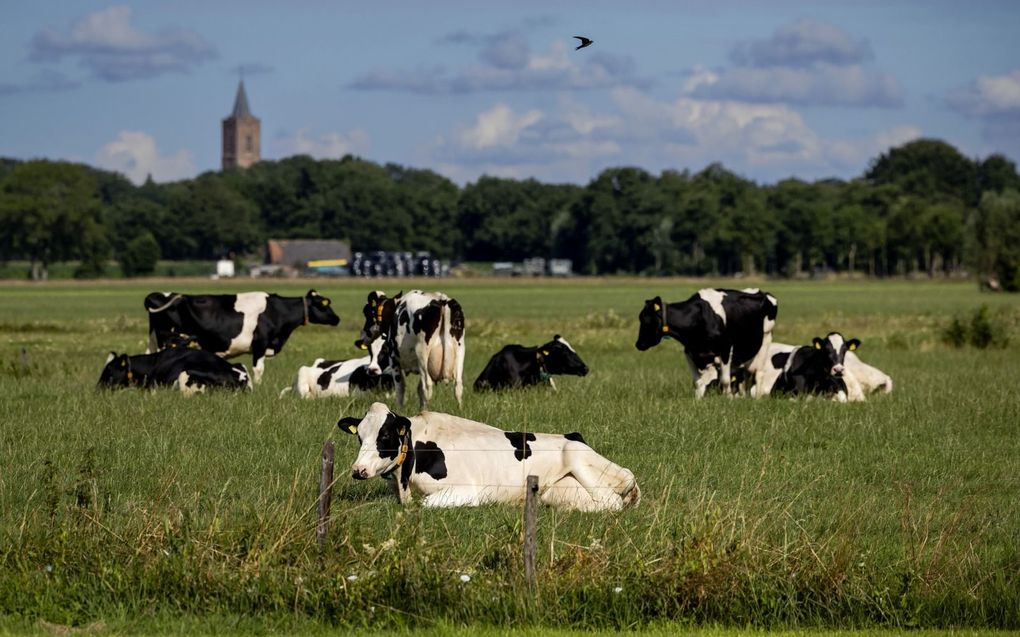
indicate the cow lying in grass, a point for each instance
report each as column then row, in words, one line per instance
column 860, row 378
column 452, row 461
column 191, row 371
column 520, row 366
column 817, row 369
column 326, row 378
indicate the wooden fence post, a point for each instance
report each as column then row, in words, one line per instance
column 325, row 492
column 530, row 529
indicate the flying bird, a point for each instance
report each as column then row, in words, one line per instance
column 584, row 41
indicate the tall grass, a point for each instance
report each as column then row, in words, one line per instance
column 144, row 507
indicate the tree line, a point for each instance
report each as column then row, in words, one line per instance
column 919, row 208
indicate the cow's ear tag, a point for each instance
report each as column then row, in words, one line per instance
column 325, row 302
column 853, row 345
column 818, row 344
column 123, row 363
column 362, row 345
column 657, row 307
column 374, row 303
column 545, row 352
column 402, row 432
column 348, row 425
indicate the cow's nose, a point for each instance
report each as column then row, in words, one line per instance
column 374, row 371
column 837, row 370
column 584, row 371
column 359, row 473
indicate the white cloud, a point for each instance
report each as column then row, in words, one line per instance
column 134, row 154
column 803, row 43
column 499, row 126
column 573, row 143
column 822, row 85
column 106, row 43
column 325, row 146
column 989, row 96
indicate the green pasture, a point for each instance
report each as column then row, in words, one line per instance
column 150, row 511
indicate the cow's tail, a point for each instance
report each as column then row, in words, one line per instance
column 452, row 333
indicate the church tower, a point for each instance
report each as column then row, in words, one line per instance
column 241, row 134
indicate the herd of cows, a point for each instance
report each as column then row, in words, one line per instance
column 452, row 461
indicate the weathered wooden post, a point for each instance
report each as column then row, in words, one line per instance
column 530, row 528
column 325, row 492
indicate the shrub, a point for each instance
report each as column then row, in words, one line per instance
column 140, row 255
column 982, row 330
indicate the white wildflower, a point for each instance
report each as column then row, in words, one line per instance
column 465, row 578
column 618, row 589
column 351, row 578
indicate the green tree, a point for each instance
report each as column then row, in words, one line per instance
column 140, row 256
column 50, row 211
column 993, row 239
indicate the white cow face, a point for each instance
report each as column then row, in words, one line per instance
column 380, row 353
column 833, row 349
column 384, row 437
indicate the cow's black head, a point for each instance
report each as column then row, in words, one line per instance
column 116, row 372
column 319, row 310
column 378, row 313
column 558, row 357
column 384, row 438
column 181, row 341
column 832, row 350
column 650, row 324
column 381, row 356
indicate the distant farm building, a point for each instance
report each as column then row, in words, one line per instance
column 293, row 257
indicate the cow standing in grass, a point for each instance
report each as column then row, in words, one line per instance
column 722, row 331
column 234, row 324
column 426, row 333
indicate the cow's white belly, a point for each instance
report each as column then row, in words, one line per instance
column 251, row 305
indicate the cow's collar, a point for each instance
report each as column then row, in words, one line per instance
column 665, row 325
column 543, row 372
column 405, row 444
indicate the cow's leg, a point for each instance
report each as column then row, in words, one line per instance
column 703, row 379
column 605, row 481
column 258, row 356
column 458, row 497
column 458, row 387
column 757, row 367
column 153, row 343
column 725, row 371
column 425, row 389
column 400, row 383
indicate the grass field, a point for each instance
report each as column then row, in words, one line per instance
column 149, row 511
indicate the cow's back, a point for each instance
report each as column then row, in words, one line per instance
column 750, row 319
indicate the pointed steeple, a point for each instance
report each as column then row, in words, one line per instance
column 241, row 109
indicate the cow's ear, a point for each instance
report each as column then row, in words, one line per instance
column 312, row 294
column 109, row 357
column 403, row 425
column 557, row 337
column 817, row 342
column 853, row 344
column 348, row 425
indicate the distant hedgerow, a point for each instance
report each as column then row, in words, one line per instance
column 981, row 330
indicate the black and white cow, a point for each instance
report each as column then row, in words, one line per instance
column 235, row 324
column 816, row 369
column 520, row 366
column 860, row 378
column 340, row 378
column 190, row 370
column 426, row 331
column 721, row 330
column 452, row 461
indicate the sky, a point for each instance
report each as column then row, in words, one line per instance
column 770, row 89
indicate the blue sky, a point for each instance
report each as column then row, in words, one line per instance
column 770, row 89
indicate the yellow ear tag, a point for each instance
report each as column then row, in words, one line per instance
column 545, row 352
column 402, row 432
column 853, row 346
column 325, row 302
column 818, row 345
column 123, row 363
column 363, row 346
column 657, row 307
